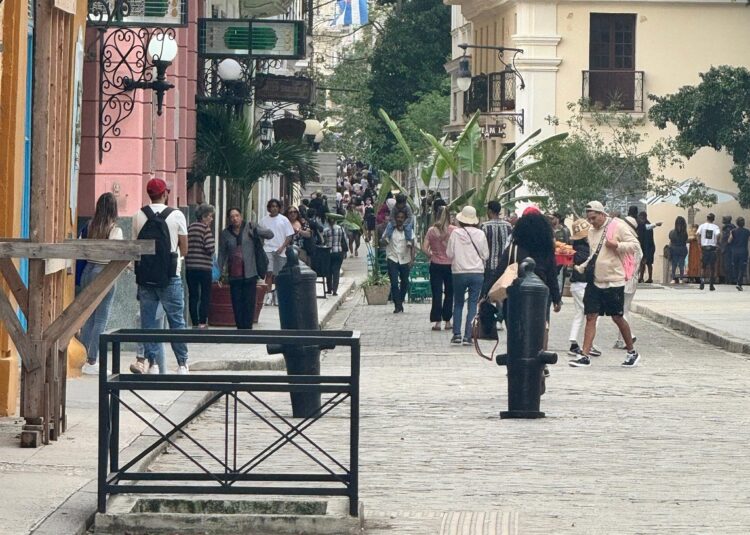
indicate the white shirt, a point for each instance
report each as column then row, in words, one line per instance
column 709, row 233
column 397, row 249
column 176, row 223
column 281, row 228
column 115, row 233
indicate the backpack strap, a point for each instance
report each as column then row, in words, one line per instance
column 148, row 211
column 164, row 214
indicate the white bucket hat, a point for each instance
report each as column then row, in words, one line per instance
column 468, row 216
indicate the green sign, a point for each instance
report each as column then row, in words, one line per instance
column 281, row 39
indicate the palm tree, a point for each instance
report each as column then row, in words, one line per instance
column 227, row 146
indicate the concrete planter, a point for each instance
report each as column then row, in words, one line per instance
column 377, row 295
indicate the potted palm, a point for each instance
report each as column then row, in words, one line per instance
column 227, row 145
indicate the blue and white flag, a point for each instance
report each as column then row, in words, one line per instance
column 350, row 13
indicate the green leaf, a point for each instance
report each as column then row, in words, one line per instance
column 468, row 147
column 398, row 135
column 462, row 200
column 442, row 151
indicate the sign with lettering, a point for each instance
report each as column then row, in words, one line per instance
column 279, row 39
column 272, row 88
column 69, row 6
column 494, row 130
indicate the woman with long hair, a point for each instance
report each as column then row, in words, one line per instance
column 468, row 250
column 533, row 237
column 237, row 256
column 302, row 233
column 645, row 231
column 335, row 238
column 103, row 226
column 678, row 238
column 441, row 277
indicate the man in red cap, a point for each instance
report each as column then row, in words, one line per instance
column 158, row 275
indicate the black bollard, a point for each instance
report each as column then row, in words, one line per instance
column 526, row 323
column 298, row 309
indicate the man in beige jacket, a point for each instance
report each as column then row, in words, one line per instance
column 606, row 296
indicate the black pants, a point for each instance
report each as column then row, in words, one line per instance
column 398, row 273
column 199, row 294
column 739, row 264
column 441, row 283
column 243, row 301
column 335, row 273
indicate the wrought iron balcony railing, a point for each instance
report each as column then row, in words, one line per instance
column 611, row 89
column 491, row 93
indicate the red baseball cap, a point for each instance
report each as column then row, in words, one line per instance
column 156, row 187
column 531, row 210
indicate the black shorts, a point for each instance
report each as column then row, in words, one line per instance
column 604, row 301
column 708, row 256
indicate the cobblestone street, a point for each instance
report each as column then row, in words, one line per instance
column 656, row 449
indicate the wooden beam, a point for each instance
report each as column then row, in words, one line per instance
column 16, row 332
column 73, row 318
column 16, row 285
column 79, row 249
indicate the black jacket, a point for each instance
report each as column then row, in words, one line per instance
column 582, row 252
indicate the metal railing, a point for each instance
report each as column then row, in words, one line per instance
column 239, row 392
column 491, row 93
column 613, row 89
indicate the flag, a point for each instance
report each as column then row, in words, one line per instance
column 350, row 13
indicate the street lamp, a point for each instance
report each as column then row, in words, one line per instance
column 161, row 52
column 317, row 140
column 266, row 131
column 312, row 129
column 463, row 80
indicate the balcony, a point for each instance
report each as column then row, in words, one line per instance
column 610, row 89
column 491, row 93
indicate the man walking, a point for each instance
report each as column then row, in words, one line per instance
column 610, row 241
column 275, row 248
column 709, row 233
column 498, row 236
column 158, row 275
column 400, row 256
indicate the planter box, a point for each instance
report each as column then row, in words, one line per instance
column 220, row 313
column 377, row 295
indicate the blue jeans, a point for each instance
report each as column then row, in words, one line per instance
column 462, row 282
column 161, row 324
column 97, row 322
column 172, row 300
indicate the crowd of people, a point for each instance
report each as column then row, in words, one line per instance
column 611, row 254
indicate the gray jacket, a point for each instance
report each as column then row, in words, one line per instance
column 228, row 243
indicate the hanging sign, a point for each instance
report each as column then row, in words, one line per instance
column 277, row 39
column 273, row 88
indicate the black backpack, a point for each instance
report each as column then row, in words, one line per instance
column 156, row 269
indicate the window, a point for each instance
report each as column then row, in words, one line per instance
column 612, row 80
column 612, row 42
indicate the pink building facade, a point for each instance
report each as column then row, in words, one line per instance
column 148, row 145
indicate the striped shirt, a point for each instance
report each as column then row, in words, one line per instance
column 497, row 232
column 200, row 255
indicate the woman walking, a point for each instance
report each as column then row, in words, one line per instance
column 103, row 226
column 648, row 246
column 303, row 234
column 335, row 238
column 198, row 264
column 237, row 255
column 467, row 248
column 441, row 277
column 678, row 238
column 578, row 281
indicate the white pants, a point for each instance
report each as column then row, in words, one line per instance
column 626, row 315
column 577, row 289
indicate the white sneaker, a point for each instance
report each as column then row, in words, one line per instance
column 139, row 366
column 153, row 369
column 90, row 369
column 267, row 300
column 183, row 370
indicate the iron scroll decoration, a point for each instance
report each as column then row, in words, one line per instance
column 123, row 65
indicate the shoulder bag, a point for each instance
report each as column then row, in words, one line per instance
column 499, row 291
column 261, row 259
column 588, row 273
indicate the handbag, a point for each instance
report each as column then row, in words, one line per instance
column 261, row 259
column 499, row 290
column 483, row 327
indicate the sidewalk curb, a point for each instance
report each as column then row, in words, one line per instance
column 718, row 338
column 75, row 515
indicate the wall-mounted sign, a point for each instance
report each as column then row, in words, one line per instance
column 280, row 39
column 138, row 13
column 69, row 6
column 494, row 130
column 273, row 88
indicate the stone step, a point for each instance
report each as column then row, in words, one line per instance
column 442, row 523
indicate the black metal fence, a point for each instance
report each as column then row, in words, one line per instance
column 618, row 89
column 234, row 478
column 491, row 93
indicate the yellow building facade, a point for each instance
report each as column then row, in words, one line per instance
column 604, row 51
